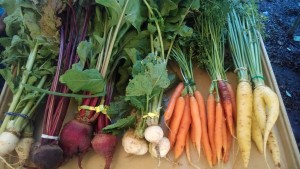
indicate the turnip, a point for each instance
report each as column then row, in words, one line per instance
column 23, row 149
column 8, row 142
column 133, row 144
column 161, row 149
column 154, row 134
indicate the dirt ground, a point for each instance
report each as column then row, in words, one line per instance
column 284, row 53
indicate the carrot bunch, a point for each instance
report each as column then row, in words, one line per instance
column 221, row 106
column 186, row 114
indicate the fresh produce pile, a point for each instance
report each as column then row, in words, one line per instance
column 115, row 59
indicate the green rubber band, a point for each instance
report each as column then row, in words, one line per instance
column 258, row 77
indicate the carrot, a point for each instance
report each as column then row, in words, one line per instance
column 233, row 101
column 211, row 110
column 226, row 102
column 204, row 137
column 243, row 129
column 218, row 130
column 171, row 105
column 183, row 129
column 187, row 148
column 224, row 137
column 175, row 121
column 274, row 149
column 193, row 134
column 196, row 122
column 187, row 151
column 229, row 141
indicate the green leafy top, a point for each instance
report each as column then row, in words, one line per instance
column 149, row 78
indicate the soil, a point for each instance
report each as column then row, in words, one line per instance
column 284, row 54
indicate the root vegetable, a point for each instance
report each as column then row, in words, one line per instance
column 53, row 154
column 244, row 113
column 133, row 144
column 23, row 148
column 105, row 144
column 256, row 134
column 161, row 149
column 75, row 139
column 8, row 142
column 153, row 134
column 274, row 148
column 176, row 120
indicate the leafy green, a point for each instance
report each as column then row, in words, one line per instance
column 87, row 80
column 144, row 83
column 118, row 108
column 123, row 123
column 133, row 11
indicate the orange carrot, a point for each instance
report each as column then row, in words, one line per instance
column 233, row 101
column 229, row 141
column 224, row 137
column 183, row 129
column 193, row 134
column 227, row 105
column 196, row 122
column 218, row 130
column 204, row 137
column 171, row 105
column 175, row 121
column 211, row 110
column 187, row 148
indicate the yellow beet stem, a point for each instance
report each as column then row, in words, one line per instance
column 256, row 135
column 244, row 113
column 274, row 148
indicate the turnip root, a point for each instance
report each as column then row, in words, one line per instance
column 105, row 144
column 161, row 149
column 133, row 144
column 23, row 148
column 8, row 142
column 53, row 154
column 154, row 134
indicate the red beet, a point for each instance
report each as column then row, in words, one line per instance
column 75, row 139
column 53, row 154
column 105, row 144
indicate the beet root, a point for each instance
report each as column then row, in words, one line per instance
column 47, row 156
column 105, row 144
column 75, row 138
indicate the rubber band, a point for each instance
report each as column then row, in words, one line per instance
column 258, row 77
column 45, row 136
column 151, row 115
column 239, row 68
column 17, row 114
column 101, row 108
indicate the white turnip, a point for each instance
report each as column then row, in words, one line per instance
column 161, row 149
column 133, row 144
column 8, row 142
column 154, row 134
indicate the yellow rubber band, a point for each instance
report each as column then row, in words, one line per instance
column 101, row 108
column 151, row 115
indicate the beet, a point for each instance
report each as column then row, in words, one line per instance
column 105, row 144
column 75, row 139
column 53, row 154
